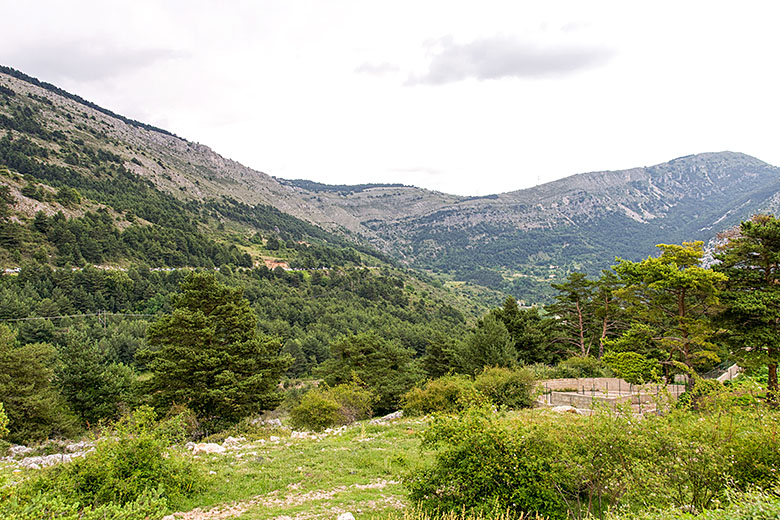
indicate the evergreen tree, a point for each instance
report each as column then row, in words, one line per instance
column 607, row 309
column 34, row 408
column 488, row 345
column 671, row 301
column 440, row 353
column 95, row 387
column 751, row 259
column 208, row 354
column 575, row 312
column 384, row 366
column 531, row 332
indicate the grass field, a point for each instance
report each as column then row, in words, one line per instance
column 355, row 469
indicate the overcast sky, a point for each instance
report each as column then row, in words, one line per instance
column 462, row 97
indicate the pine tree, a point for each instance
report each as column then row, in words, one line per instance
column 34, row 408
column 751, row 259
column 208, row 354
column 576, row 313
column 671, row 301
column 488, row 345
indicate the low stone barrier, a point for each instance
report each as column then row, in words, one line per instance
column 608, row 391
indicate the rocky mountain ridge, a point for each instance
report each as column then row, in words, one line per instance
column 516, row 241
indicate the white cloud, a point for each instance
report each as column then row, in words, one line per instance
column 308, row 89
column 85, row 60
column 506, row 57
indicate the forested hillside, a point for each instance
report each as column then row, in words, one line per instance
column 145, row 179
column 94, row 245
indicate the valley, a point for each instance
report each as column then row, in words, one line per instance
column 215, row 342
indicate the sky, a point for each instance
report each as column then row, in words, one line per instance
column 470, row 98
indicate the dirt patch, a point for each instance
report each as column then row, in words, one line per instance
column 273, row 500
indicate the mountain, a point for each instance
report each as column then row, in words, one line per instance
column 103, row 217
column 519, row 241
column 143, row 178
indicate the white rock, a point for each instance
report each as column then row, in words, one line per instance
column 346, row 516
column 266, row 422
column 17, row 449
column 232, row 441
column 80, row 446
column 388, row 417
column 564, row 409
column 207, row 447
column 274, row 438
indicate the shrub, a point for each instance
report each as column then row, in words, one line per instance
column 316, row 411
column 355, row 402
column 126, row 466
column 542, row 371
column 633, row 367
column 445, row 394
column 482, row 466
column 3, row 422
column 704, row 394
column 506, row 387
column 54, row 506
column 748, row 506
column 325, row 407
column 572, row 466
column 578, row 366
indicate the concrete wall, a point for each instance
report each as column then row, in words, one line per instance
column 607, row 384
column 586, row 400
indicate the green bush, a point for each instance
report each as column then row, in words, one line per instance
column 572, row 466
column 633, row 367
column 325, row 407
column 355, row 402
column 750, row 506
column 506, row 387
column 127, row 465
column 578, row 366
column 482, row 465
column 316, row 411
column 3, row 422
column 704, row 394
column 445, row 394
column 542, row 371
column 51, row 505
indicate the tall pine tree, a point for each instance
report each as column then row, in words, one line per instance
column 208, row 354
column 751, row 259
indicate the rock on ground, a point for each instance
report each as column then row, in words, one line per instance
column 206, row 447
column 387, row 418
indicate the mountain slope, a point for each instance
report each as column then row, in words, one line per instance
column 515, row 242
column 520, row 240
